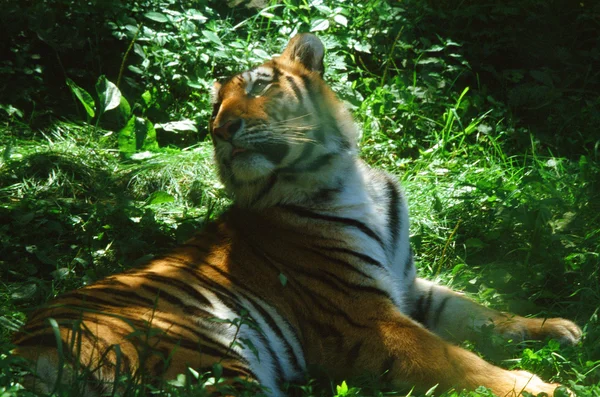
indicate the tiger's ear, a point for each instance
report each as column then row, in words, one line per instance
column 306, row 49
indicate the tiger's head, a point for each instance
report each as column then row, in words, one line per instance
column 280, row 134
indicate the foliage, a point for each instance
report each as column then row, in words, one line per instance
column 487, row 110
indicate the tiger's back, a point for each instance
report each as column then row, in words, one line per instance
column 312, row 265
column 162, row 315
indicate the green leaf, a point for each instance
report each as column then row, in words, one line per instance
column 84, row 97
column 127, row 137
column 217, row 370
column 342, row 389
column 138, row 134
column 147, row 98
column 135, row 69
column 474, row 242
column 212, row 36
column 157, row 17
column 160, row 197
column 108, row 94
column 562, row 391
column 319, row 25
column 195, row 15
column 341, row 20
column 22, row 292
column 178, row 126
column 363, row 47
column 124, row 108
column 430, row 391
column 283, row 279
column 261, row 53
column 11, row 110
column 247, row 343
column 147, row 134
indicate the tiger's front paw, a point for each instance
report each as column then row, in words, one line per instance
column 564, row 331
column 520, row 328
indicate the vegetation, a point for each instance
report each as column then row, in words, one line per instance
column 487, row 111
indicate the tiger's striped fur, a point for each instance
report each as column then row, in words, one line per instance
column 307, row 211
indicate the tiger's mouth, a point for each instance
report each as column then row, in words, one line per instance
column 237, row 150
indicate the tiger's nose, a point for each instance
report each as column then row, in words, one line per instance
column 228, row 129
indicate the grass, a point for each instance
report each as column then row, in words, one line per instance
column 496, row 212
column 519, row 233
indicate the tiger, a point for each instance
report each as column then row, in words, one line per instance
column 310, row 266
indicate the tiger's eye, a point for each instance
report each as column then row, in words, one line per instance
column 259, row 87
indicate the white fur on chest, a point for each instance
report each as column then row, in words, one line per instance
column 363, row 198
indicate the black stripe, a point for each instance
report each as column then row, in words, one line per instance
column 438, row 311
column 233, row 372
column 295, row 88
column 276, row 73
column 325, row 195
column 359, row 255
column 314, row 96
column 353, row 353
column 180, row 285
column 316, row 297
column 271, row 323
column 393, row 213
column 327, row 331
column 299, row 293
column 100, row 303
column 318, row 163
column 265, row 76
column 422, row 307
column 320, row 109
column 306, row 152
column 266, row 189
column 222, row 293
column 128, row 295
column 346, row 221
column 332, row 280
column 203, row 341
column 268, row 319
column 346, row 265
column 409, row 263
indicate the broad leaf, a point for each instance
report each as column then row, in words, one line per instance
column 212, row 36
column 127, row 137
column 84, row 97
column 157, row 17
column 178, row 126
column 138, row 134
column 108, row 94
column 319, row 25
column 160, row 197
column 341, row 20
column 146, row 128
column 196, row 15
column 124, row 108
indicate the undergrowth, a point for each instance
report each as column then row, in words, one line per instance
column 505, row 205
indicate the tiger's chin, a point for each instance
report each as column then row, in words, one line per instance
column 251, row 167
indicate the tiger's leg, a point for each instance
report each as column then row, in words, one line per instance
column 46, row 377
column 455, row 317
column 95, row 363
column 406, row 354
